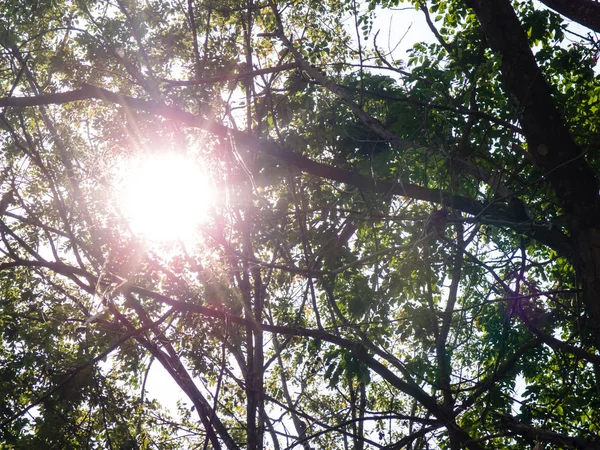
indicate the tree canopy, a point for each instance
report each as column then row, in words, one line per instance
column 397, row 252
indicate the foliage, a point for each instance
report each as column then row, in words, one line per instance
column 400, row 254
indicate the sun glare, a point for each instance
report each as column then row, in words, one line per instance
column 166, row 197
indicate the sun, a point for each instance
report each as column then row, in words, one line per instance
column 165, row 197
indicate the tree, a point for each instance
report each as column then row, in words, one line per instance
column 402, row 254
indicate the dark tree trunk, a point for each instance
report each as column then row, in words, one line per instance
column 552, row 149
column 585, row 12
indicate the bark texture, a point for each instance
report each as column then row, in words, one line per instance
column 585, row 12
column 552, row 149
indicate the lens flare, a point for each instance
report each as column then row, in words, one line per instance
column 166, row 197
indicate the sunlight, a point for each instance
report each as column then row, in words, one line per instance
column 165, row 197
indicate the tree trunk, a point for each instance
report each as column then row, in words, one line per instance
column 552, row 149
column 585, row 12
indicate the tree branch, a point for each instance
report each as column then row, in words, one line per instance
column 443, row 414
column 549, row 143
column 585, row 12
column 542, row 434
column 231, row 76
column 488, row 213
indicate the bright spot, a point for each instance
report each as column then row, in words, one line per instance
column 165, row 197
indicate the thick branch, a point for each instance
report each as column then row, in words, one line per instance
column 231, row 76
column 409, row 387
column 557, row 344
column 550, row 144
column 358, row 350
column 585, row 12
column 541, row 434
column 488, row 213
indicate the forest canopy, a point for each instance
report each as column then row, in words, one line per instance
column 327, row 238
